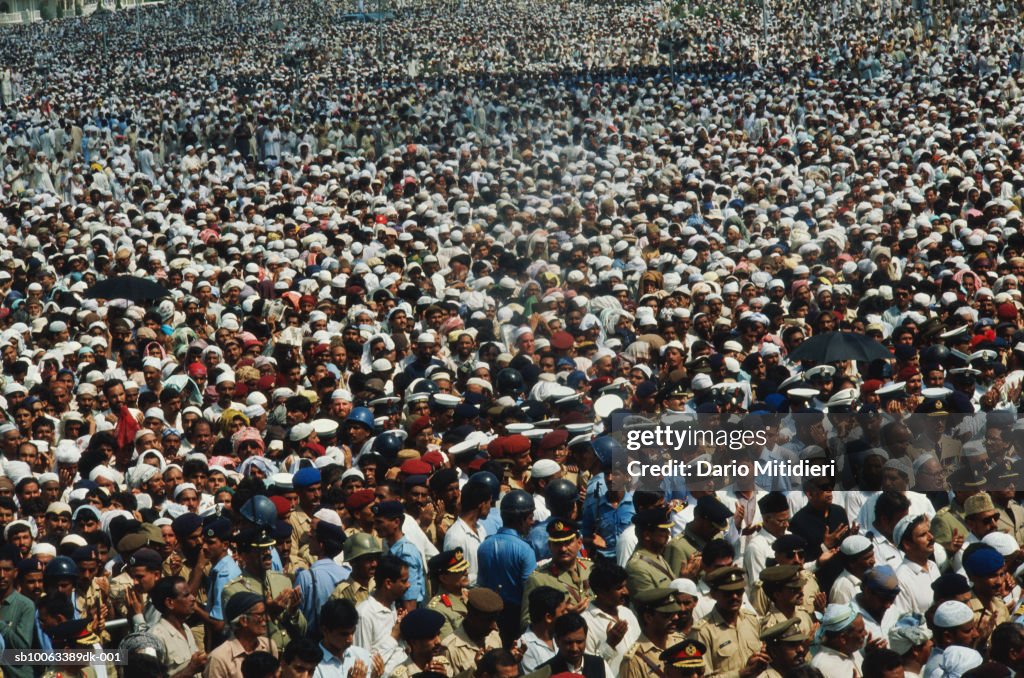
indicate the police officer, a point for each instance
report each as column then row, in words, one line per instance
column 731, row 634
column 647, row 568
column 710, row 518
column 450, row 569
column 285, row 619
column 506, row 559
column 786, row 646
column 658, row 611
column 784, row 588
column 362, row 553
column 307, row 485
column 566, row 571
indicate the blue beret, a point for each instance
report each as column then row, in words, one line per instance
column 282, row 530
column 219, row 529
column 421, row 624
column 325, row 531
column 983, row 562
column 389, row 509
column 186, row 524
column 306, row 477
column 646, row 389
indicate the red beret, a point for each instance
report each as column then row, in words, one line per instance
column 433, row 458
column 359, row 500
column 417, row 426
column 507, row 446
column 554, row 439
column 561, row 341
column 282, row 505
column 870, row 386
column 416, row 467
column 477, row 464
column 1006, row 311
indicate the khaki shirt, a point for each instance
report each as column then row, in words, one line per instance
column 179, row 646
column 282, row 629
column 460, row 651
column 451, row 607
column 353, row 591
column 226, row 659
column 805, row 623
column 1011, row 520
column 646, row 570
column 643, row 659
column 729, row 646
column 680, row 549
column 301, row 522
column 574, row 582
column 759, row 599
column 947, row 519
column 409, row 668
column 987, row 619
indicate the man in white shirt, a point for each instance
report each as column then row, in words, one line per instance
column 612, row 627
column 917, row 572
column 859, row 556
column 466, row 532
column 775, row 521
column 377, row 614
column 338, row 623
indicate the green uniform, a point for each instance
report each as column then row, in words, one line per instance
column 452, row 607
column 282, row 629
column 647, row 570
column 1011, row 520
column 681, row 549
column 947, row 519
column 575, row 582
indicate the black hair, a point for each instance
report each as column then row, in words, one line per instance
column 336, row 613
column 892, row 503
column 162, row 590
column 389, row 567
column 544, row 600
column 606, row 576
column 877, row 662
column 718, row 549
column 306, row 649
column 570, row 622
column 1007, row 642
column 490, row 662
column 57, row 604
column 260, row 664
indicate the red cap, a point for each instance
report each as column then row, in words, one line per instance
column 416, row 467
column 870, row 386
column 359, row 500
column 282, row 505
column 1006, row 311
column 561, row 341
column 433, row 458
column 554, row 440
column 197, row 370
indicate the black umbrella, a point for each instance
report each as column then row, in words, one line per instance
column 127, row 287
column 831, row 347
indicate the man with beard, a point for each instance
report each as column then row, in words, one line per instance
column 786, row 646
column 58, row 522
column 285, row 619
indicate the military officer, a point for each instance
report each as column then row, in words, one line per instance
column 307, row 485
column 710, row 518
column 421, row 630
column 731, row 634
column 949, row 526
column 684, row 659
column 477, row 633
column 786, row 646
column 450, row 569
column 658, row 611
column 565, row 571
column 285, row 619
column 647, row 568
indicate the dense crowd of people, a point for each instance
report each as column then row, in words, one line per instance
column 323, row 339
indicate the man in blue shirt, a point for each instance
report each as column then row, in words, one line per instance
column 317, row 583
column 223, row 568
column 506, row 560
column 388, row 519
column 338, row 618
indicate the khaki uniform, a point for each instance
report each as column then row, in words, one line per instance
column 987, row 619
column 643, row 659
column 452, row 608
column 680, row 549
column 119, row 585
column 353, row 591
column 300, row 522
column 88, row 603
column 460, row 651
column 647, row 570
column 409, row 668
column 770, row 672
column 729, row 647
column 759, row 599
column 281, row 630
column 575, row 582
column 1011, row 520
column 805, row 623
column 197, row 625
column 947, row 519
